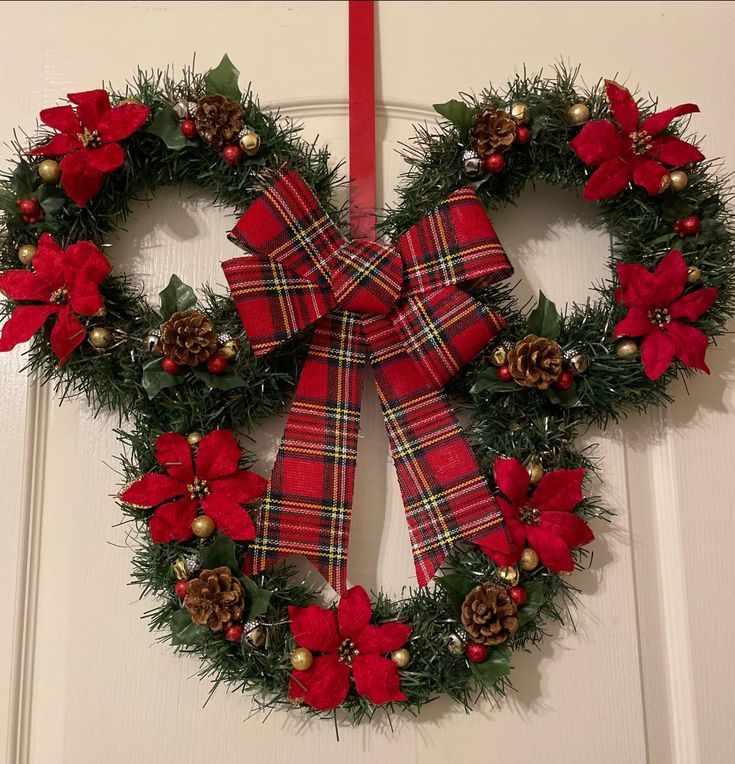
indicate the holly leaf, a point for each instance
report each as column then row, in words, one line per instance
column 221, row 552
column 713, row 231
column 222, row 80
column 165, row 124
column 457, row 588
column 674, row 207
column 227, row 381
column 7, row 203
column 491, row 671
column 156, row 379
column 51, row 200
column 459, row 114
column 23, row 179
column 529, row 611
column 488, row 382
column 258, row 598
column 183, row 630
column 544, row 320
column 568, row 399
column 175, row 297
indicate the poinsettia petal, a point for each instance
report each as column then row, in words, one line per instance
column 669, row 279
column 172, row 521
column 23, row 285
column 91, row 105
column 242, row 486
column 218, row 454
column 690, row 345
column 61, row 118
column 315, row 628
column 654, row 124
column 622, row 106
column 657, row 353
column 80, row 181
column 378, row 640
column 122, row 121
column 637, row 287
column 597, row 142
column 497, row 540
column 151, row 489
column 675, row 152
column 324, row 686
column 377, row 679
column 23, row 323
column 648, row 174
column 512, row 479
column 516, row 534
column 107, row 158
column 695, row 304
column 67, row 334
column 173, row 453
column 609, row 179
column 354, row 612
column 552, row 550
column 49, row 262
column 230, row 517
column 59, row 144
column 558, row 491
column 571, row 528
column 84, row 258
column 635, row 324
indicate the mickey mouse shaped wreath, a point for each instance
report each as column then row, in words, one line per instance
column 497, row 511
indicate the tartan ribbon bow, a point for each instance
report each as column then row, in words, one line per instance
column 401, row 306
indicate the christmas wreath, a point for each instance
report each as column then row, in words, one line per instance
column 497, row 509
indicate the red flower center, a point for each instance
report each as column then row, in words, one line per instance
column 659, row 316
column 641, row 141
column 347, row 652
column 529, row 515
column 90, row 140
column 198, row 489
column 59, row 296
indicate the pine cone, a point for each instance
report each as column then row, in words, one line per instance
column 218, row 120
column 535, row 362
column 215, row 599
column 493, row 131
column 489, row 615
column 188, row 338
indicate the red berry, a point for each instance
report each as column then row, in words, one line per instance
column 565, row 381
column 217, row 364
column 688, row 226
column 523, row 135
column 181, row 588
column 29, row 207
column 170, row 366
column 517, row 594
column 495, row 163
column 476, row 653
column 504, row 374
column 189, row 129
column 232, row 154
column 234, row 633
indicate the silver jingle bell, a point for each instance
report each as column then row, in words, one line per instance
column 455, row 644
column 181, row 108
column 471, row 164
column 254, row 634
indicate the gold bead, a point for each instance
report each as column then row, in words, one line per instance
column 230, row 349
column 665, row 183
column 535, row 472
column 193, row 438
column 126, row 101
column 401, row 657
column 26, row 253
column 250, row 143
column 578, row 114
column 499, row 356
column 301, row 659
column 508, row 574
column 529, row 559
column 519, row 112
column 679, row 180
column 694, row 274
column 100, row 337
column 180, row 569
column 626, row 349
column 49, row 171
column 203, row 526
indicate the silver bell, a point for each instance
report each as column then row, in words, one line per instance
column 471, row 163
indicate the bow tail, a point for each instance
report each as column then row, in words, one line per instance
column 306, row 509
column 446, row 498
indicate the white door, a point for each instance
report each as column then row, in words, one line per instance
column 648, row 674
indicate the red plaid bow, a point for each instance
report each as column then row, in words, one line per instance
column 402, row 306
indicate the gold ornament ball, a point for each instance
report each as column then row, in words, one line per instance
column 203, row 526
column 100, row 337
column 626, row 349
column 250, row 143
column 128, row 101
column 26, row 253
column 255, row 637
column 455, row 644
column 301, row 659
column 535, row 472
column 578, row 114
column 193, row 438
column 529, row 559
column 665, row 183
column 230, row 349
column 519, row 112
column 694, row 274
column 678, row 180
column 509, row 574
column 401, row 657
column 49, row 171
column 499, row 356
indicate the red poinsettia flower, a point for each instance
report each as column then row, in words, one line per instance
column 657, row 306
column 217, row 485
column 544, row 519
column 64, row 283
column 632, row 151
column 351, row 646
column 89, row 140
